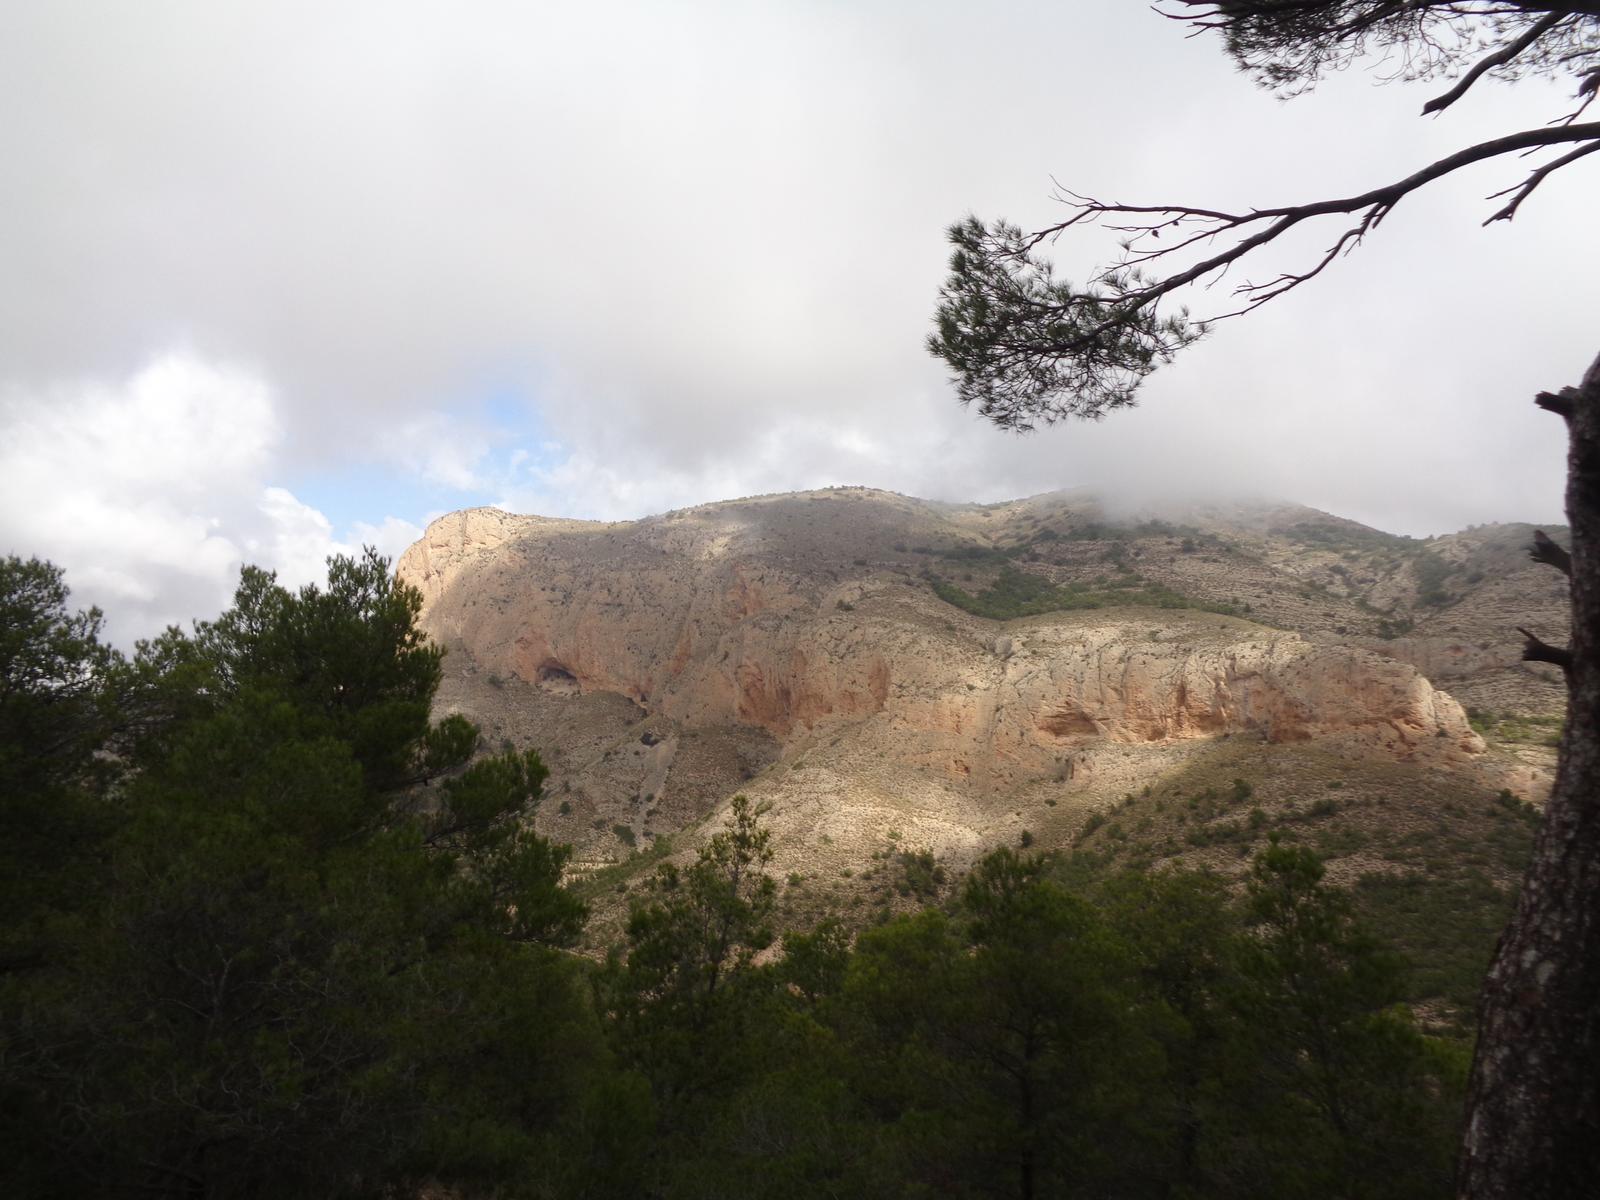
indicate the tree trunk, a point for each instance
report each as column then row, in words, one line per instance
column 1533, row 1104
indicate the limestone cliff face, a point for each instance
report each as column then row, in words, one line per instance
column 457, row 540
column 801, row 616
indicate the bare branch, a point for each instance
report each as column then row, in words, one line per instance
column 1498, row 59
column 1268, row 224
column 1535, row 178
column 1582, row 107
column 1544, row 550
column 1534, row 650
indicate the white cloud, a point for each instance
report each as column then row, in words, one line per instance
column 390, row 537
column 439, row 449
column 703, row 243
column 298, row 539
column 152, row 492
column 295, row 539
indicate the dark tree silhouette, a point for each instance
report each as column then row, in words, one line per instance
column 1029, row 349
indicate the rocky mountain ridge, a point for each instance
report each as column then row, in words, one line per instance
column 805, row 649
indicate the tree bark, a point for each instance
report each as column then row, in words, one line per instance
column 1532, row 1127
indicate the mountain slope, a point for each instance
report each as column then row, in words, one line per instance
column 838, row 656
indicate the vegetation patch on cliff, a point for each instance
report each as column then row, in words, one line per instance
column 1016, row 593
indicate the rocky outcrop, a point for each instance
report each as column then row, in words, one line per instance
column 455, row 541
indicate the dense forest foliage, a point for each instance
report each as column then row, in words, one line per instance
column 273, row 931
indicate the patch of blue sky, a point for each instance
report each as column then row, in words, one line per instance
column 520, row 440
column 368, row 491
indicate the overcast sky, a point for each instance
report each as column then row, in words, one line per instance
column 280, row 279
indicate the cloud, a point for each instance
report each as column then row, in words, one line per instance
column 151, row 492
column 700, row 244
column 437, row 449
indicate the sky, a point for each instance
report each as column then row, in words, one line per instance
column 277, row 281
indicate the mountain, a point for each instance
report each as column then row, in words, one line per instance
column 896, row 676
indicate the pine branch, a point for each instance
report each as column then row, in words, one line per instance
column 1260, row 226
column 1498, row 59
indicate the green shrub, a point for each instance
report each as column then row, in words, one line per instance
column 1516, row 805
column 1446, row 926
column 1431, row 572
column 920, row 875
column 1016, row 593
